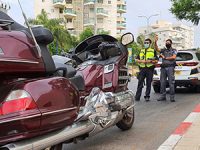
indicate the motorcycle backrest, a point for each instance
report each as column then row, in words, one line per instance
column 43, row 37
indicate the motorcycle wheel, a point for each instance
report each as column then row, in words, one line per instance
column 56, row 147
column 127, row 121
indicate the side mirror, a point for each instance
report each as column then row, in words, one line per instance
column 127, row 39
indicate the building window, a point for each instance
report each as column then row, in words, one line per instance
column 69, row 20
column 68, row 1
column 43, row 1
column 100, row 1
column 92, row 10
column 61, row 10
column 109, row 2
column 100, row 20
column 52, row 10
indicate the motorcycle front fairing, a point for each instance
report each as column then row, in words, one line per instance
column 36, row 107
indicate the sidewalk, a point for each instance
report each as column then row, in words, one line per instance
column 187, row 135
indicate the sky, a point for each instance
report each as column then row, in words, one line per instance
column 135, row 8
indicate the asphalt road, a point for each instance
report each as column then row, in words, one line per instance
column 154, row 123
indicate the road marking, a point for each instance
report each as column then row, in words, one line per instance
column 183, row 127
column 197, row 109
column 170, row 142
column 192, row 117
column 176, row 136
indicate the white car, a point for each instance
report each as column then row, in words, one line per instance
column 187, row 71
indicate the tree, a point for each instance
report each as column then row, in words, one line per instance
column 186, row 9
column 104, row 32
column 88, row 32
column 140, row 40
column 62, row 39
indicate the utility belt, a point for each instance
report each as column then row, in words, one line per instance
column 168, row 65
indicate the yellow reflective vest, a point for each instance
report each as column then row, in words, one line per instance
column 146, row 55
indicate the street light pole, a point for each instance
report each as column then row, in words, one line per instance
column 95, row 17
column 148, row 19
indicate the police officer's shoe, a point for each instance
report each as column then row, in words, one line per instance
column 147, row 99
column 172, row 100
column 162, row 99
column 137, row 99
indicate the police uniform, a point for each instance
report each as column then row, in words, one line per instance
column 167, row 71
column 146, row 71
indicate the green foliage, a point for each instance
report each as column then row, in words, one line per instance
column 186, row 9
column 140, row 40
column 88, row 32
column 104, row 32
column 62, row 39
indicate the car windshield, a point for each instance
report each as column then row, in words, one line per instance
column 184, row 56
column 198, row 56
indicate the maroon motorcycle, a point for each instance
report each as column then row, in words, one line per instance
column 46, row 102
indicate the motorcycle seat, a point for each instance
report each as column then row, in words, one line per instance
column 70, row 71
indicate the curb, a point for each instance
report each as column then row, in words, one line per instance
column 176, row 136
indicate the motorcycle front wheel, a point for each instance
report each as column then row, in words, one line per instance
column 127, row 121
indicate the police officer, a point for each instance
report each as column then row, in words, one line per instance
column 168, row 56
column 146, row 61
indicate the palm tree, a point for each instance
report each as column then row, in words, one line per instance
column 62, row 39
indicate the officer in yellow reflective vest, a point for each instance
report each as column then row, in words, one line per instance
column 146, row 61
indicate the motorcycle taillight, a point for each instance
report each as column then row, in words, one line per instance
column 18, row 100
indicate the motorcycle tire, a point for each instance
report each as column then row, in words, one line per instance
column 56, row 147
column 127, row 121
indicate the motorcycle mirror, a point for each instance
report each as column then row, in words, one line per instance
column 127, row 38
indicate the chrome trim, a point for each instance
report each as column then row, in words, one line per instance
column 18, row 61
column 21, row 118
column 59, row 111
column 106, row 68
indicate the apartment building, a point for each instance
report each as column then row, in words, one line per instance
column 4, row 6
column 101, row 15
column 181, row 35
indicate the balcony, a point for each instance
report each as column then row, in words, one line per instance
column 121, row 19
column 121, row 9
column 72, row 32
column 58, row 3
column 102, row 13
column 69, row 13
column 89, row 2
column 121, row 2
column 70, row 26
column 121, row 26
column 89, row 22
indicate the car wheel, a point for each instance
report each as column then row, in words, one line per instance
column 156, row 88
column 198, row 88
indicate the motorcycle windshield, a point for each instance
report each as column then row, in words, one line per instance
column 94, row 41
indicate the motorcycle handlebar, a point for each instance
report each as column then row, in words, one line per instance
column 107, row 45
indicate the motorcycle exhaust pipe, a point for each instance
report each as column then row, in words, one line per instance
column 53, row 138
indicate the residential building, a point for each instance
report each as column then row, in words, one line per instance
column 4, row 6
column 101, row 15
column 181, row 35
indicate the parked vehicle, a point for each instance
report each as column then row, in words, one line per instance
column 46, row 102
column 187, row 71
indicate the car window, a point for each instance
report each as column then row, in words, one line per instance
column 184, row 56
column 198, row 56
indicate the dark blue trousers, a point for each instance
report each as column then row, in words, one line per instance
column 148, row 74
